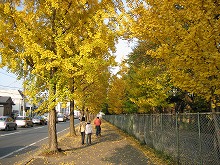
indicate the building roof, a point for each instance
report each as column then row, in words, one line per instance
column 14, row 94
column 6, row 100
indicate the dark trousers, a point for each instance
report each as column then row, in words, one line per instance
column 98, row 130
column 89, row 138
column 83, row 137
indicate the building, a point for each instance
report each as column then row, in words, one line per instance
column 6, row 104
column 17, row 98
column 64, row 110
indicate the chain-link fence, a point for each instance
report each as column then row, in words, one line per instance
column 187, row 138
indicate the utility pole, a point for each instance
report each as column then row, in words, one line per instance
column 24, row 103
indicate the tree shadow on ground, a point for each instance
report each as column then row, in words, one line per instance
column 95, row 140
column 107, row 135
column 127, row 155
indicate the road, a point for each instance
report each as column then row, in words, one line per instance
column 16, row 144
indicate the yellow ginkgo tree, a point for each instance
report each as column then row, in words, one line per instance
column 51, row 42
column 187, row 35
column 116, row 95
column 91, row 89
column 147, row 81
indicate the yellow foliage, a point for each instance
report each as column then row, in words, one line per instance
column 57, row 41
column 116, row 95
column 187, row 35
column 149, row 87
column 7, row 9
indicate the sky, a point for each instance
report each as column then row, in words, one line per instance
column 9, row 80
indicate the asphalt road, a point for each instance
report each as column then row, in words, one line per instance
column 17, row 144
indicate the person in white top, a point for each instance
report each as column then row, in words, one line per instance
column 82, row 128
column 88, row 132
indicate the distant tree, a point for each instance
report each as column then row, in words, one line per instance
column 92, row 90
column 116, row 95
column 147, row 80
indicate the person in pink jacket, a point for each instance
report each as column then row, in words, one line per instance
column 98, row 123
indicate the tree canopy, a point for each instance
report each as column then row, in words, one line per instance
column 53, row 42
column 64, row 49
column 187, row 37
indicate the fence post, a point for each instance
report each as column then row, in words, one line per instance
column 161, row 122
column 144, row 128
column 200, row 145
column 151, row 130
column 177, row 139
column 121, row 126
column 151, row 123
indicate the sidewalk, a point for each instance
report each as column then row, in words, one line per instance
column 113, row 148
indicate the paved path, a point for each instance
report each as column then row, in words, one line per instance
column 112, row 148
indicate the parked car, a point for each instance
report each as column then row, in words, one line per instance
column 67, row 116
column 61, row 118
column 24, row 121
column 39, row 120
column 45, row 117
column 7, row 123
column 76, row 114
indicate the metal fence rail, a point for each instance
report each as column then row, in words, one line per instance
column 187, row 138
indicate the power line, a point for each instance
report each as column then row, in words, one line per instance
column 8, row 75
column 10, row 87
column 10, row 81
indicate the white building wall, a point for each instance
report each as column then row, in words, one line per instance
column 58, row 107
column 16, row 98
column 65, row 110
column 1, row 110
